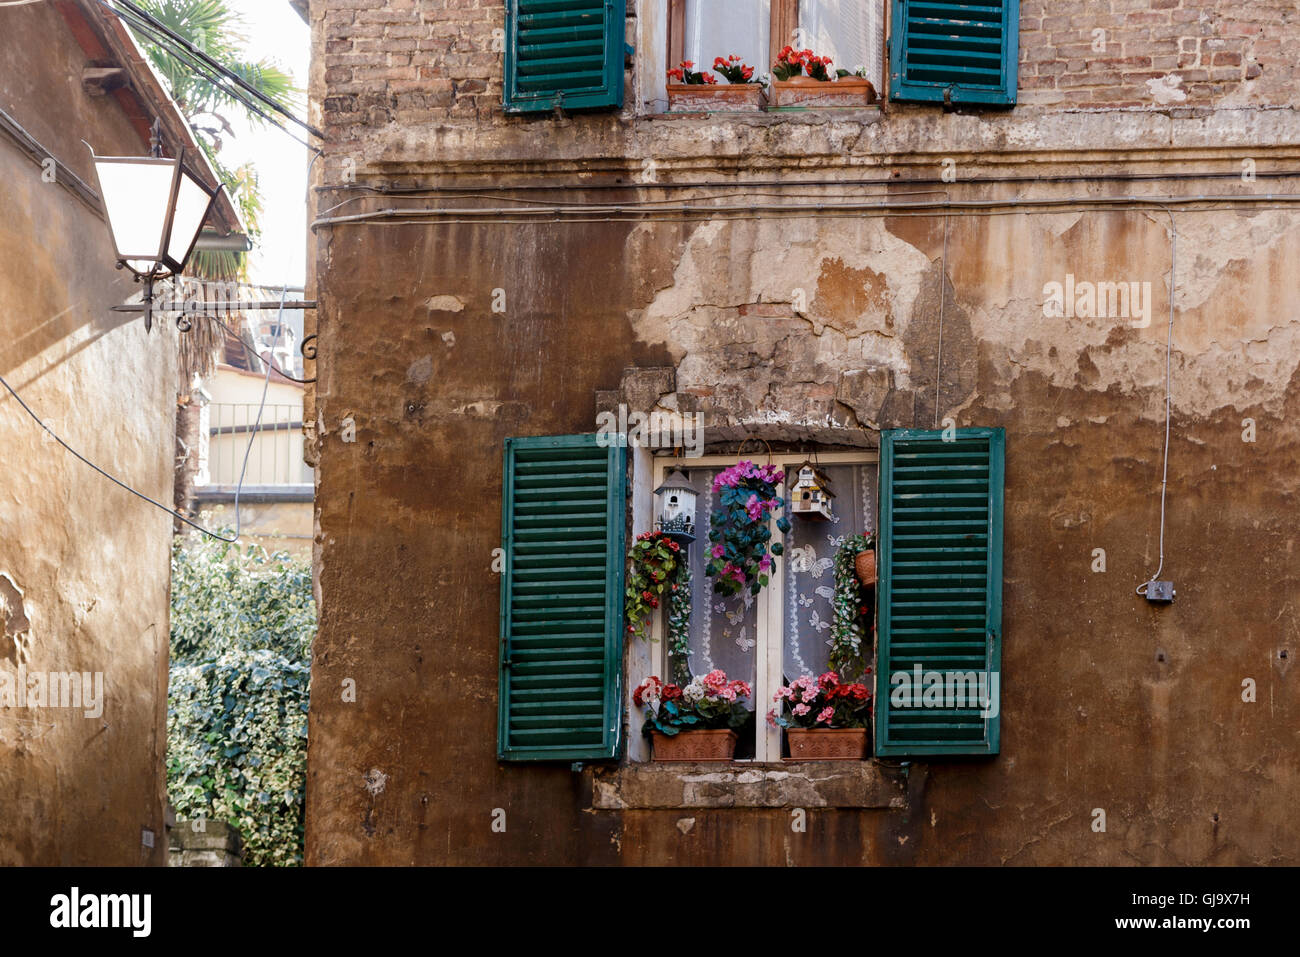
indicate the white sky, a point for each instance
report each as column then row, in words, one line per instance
column 276, row 31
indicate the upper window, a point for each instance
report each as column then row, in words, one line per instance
column 850, row 32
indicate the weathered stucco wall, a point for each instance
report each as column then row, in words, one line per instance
column 1107, row 702
column 90, row 560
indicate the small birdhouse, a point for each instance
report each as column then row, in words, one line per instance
column 675, row 507
column 811, row 495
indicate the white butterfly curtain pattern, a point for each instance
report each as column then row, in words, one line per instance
column 723, row 631
column 809, row 573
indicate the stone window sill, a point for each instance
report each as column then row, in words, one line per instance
column 773, row 115
column 664, row 785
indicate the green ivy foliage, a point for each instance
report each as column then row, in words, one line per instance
column 241, row 631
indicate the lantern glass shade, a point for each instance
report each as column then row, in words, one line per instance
column 155, row 209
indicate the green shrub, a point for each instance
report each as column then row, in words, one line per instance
column 241, row 631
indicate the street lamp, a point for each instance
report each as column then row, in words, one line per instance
column 155, row 209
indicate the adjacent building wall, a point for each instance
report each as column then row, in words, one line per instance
column 820, row 327
column 84, row 566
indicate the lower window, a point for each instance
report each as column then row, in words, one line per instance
column 770, row 639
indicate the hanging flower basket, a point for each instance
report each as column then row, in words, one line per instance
column 741, row 550
column 709, row 745
column 827, row 744
column 865, row 566
column 855, row 578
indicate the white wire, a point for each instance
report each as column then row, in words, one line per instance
column 1169, row 351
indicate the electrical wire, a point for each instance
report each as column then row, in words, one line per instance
column 1169, row 352
column 140, row 18
column 163, row 37
column 943, row 299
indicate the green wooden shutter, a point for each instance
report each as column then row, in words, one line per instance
column 561, row 599
column 967, row 50
column 940, row 586
column 566, row 53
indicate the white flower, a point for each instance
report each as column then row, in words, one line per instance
column 694, row 691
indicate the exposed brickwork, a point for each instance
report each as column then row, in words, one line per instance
column 414, row 62
column 1223, row 53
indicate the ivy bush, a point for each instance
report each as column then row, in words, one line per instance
column 241, row 628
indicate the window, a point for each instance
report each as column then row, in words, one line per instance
column 850, row 32
column 935, row 499
column 950, row 51
column 781, row 633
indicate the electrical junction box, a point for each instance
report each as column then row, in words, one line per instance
column 1160, row 591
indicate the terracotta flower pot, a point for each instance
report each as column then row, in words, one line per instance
column 708, row 745
column 865, row 566
column 805, row 92
column 827, row 744
column 716, row 98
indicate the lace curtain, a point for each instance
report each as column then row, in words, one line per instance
column 724, row 631
column 809, row 572
column 719, row 28
column 850, row 32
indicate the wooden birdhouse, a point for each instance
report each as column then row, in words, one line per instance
column 676, row 508
column 811, row 495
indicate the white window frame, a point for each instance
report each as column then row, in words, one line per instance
column 770, row 603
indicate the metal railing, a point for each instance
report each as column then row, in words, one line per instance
column 276, row 456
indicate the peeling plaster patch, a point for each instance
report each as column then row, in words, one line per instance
column 1236, row 339
column 728, row 318
column 449, row 338
column 420, row 371
column 15, row 622
column 444, row 304
column 1165, row 89
column 483, row 409
column 685, row 824
column 375, row 781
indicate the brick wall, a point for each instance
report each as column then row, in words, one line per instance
column 410, row 61
column 417, row 61
column 1158, row 52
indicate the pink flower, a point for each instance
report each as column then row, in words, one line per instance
column 715, row 680
column 765, row 563
column 783, row 693
column 801, row 709
column 825, row 715
column 771, row 717
column 718, row 550
column 829, row 680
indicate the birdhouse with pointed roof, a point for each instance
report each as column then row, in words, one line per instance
column 811, row 495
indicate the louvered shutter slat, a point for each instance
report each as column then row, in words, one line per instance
column 966, row 51
column 940, row 585
column 565, row 53
column 561, row 599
